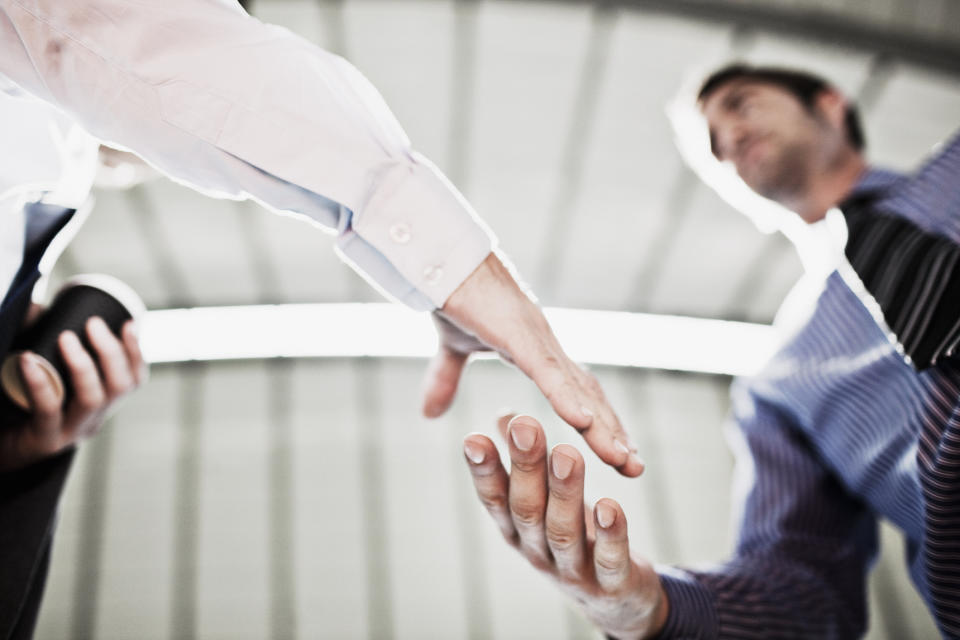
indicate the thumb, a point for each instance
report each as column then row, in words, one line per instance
column 441, row 381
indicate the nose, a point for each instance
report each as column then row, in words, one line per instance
column 731, row 140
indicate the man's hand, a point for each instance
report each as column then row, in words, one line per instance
column 489, row 311
column 539, row 510
column 98, row 385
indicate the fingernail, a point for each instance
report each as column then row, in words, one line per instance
column 562, row 465
column 586, row 411
column 606, row 515
column 637, row 459
column 622, row 448
column 473, row 452
column 523, row 436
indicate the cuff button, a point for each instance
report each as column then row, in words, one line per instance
column 400, row 233
column 433, row 274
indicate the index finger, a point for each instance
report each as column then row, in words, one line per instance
column 491, row 482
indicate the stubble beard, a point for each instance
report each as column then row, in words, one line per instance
column 785, row 177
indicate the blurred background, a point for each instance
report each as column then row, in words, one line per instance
column 307, row 498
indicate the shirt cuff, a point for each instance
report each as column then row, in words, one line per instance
column 422, row 225
column 691, row 613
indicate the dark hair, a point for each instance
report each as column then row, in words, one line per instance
column 805, row 86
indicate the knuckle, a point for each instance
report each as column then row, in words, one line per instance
column 527, row 513
column 494, row 502
column 528, row 466
column 91, row 400
column 561, row 537
column 608, row 561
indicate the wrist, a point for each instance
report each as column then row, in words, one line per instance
column 649, row 626
column 660, row 613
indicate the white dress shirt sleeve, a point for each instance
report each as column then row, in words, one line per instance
column 237, row 108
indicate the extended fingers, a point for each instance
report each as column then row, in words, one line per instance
column 528, row 485
column 613, row 448
column 491, row 481
column 565, row 530
column 576, row 396
column 611, row 552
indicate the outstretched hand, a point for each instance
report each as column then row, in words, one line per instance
column 539, row 509
column 490, row 312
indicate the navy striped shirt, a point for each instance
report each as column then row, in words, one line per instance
column 837, row 431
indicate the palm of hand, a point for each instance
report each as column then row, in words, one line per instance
column 540, row 511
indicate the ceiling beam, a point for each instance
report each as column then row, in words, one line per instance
column 917, row 48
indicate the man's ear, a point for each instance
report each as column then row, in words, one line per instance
column 833, row 106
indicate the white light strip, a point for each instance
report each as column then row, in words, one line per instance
column 390, row 331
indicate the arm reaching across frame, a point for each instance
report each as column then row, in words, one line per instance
column 799, row 569
column 236, row 108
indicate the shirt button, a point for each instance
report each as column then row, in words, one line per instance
column 400, row 233
column 433, row 274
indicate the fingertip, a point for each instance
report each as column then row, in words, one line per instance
column 607, row 513
column 525, row 434
column 633, row 467
column 43, row 394
column 441, row 382
column 524, row 419
column 433, row 409
column 96, row 323
column 30, row 369
column 131, row 328
column 68, row 338
column 565, row 462
column 473, row 452
column 438, row 398
column 480, row 452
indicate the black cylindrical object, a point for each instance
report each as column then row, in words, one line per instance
column 80, row 298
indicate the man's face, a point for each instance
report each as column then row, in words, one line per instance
column 774, row 142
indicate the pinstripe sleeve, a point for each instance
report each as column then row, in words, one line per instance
column 803, row 551
column 934, row 190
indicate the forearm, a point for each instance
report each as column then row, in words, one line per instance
column 767, row 600
column 237, row 108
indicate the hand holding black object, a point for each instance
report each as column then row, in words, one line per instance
column 99, row 379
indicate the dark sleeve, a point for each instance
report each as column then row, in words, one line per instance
column 803, row 551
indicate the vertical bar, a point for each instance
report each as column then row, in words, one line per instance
column 86, row 587
column 187, row 503
column 283, row 620
column 475, row 573
column 369, row 414
column 592, row 74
